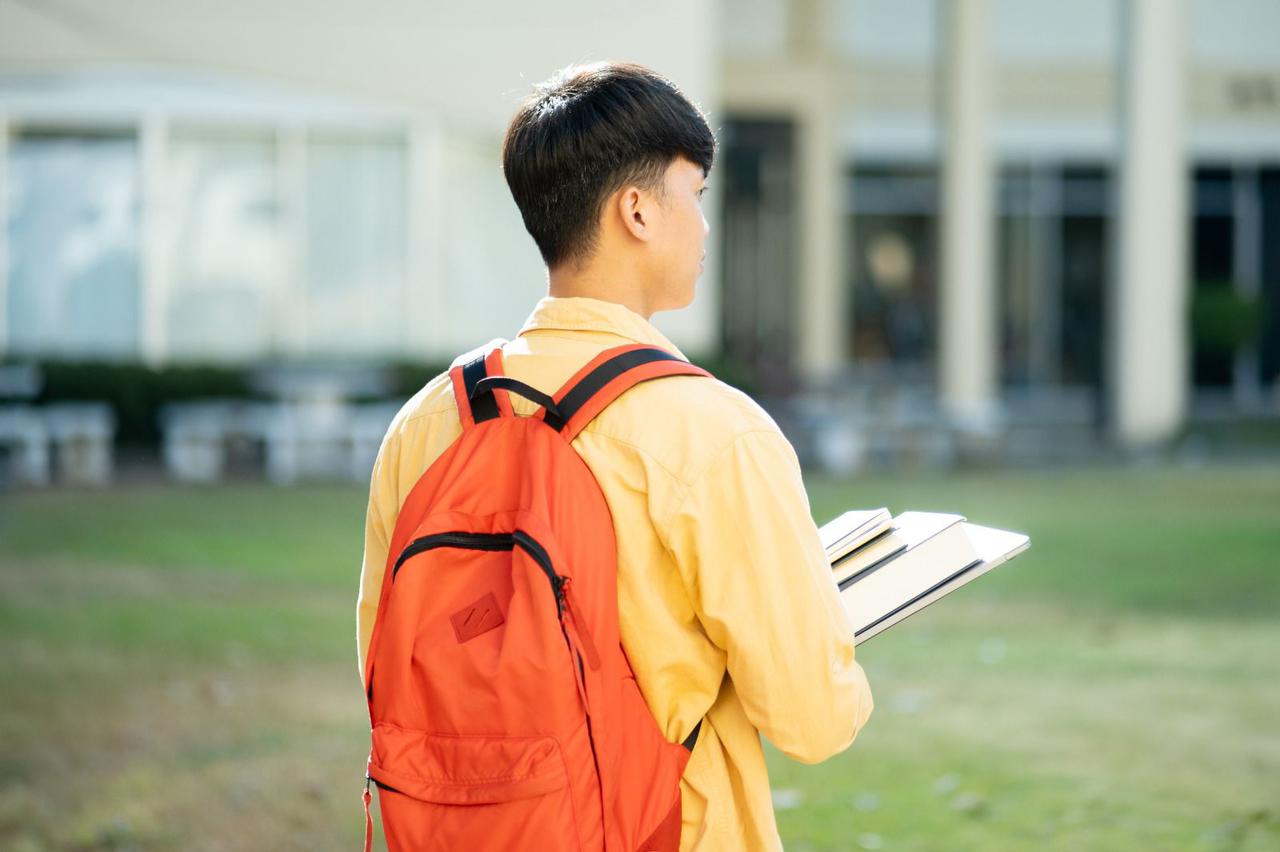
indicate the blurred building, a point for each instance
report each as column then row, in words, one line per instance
column 1007, row 208
column 874, row 107
column 244, row 181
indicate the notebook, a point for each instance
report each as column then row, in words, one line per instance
column 919, row 558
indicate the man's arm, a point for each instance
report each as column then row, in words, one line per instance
column 753, row 561
column 379, row 523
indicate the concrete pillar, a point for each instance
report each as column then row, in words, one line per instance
column 968, row 332
column 822, row 311
column 821, row 314
column 1148, row 340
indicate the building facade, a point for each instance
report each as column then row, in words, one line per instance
column 1010, row 202
column 1009, row 205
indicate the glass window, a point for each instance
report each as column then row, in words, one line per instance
column 73, row 212
column 226, row 261
column 1213, row 235
column 1236, row 246
column 1052, row 261
column 1269, row 348
column 493, row 273
column 357, row 211
column 1084, row 276
column 894, row 266
column 1021, row 264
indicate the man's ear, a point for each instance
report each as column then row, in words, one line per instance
column 635, row 207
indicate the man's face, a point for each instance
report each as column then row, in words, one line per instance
column 681, row 247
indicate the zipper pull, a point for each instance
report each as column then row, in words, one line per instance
column 579, row 677
column 368, row 818
column 580, row 625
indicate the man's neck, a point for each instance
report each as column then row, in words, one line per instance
column 594, row 283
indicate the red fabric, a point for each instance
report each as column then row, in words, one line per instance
column 368, row 820
column 493, row 367
column 666, row 837
column 530, row 733
column 415, row 504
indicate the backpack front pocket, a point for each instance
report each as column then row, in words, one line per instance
column 446, row 792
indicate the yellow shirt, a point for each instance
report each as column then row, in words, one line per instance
column 726, row 603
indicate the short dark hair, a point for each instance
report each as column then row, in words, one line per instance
column 583, row 134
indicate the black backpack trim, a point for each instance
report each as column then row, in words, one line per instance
column 591, row 384
column 485, row 386
column 479, row 386
column 483, row 407
column 692, row 740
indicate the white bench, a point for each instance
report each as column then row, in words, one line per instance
column 300, row 440
column 83, row 436
column 25, row 435
column 194, row 438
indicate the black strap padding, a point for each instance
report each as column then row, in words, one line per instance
column 692, row 740
column 581, row 393
column 486, row 385
column 484, row 407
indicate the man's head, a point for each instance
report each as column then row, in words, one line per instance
column 607, row 163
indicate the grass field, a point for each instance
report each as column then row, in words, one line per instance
column 179, row 672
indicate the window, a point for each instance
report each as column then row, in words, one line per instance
column 894, row 266
column 356, row 211
column 73, row 244
column 227, row 256
column 1053, row 267
column 1236, row 244
column 1052, row 262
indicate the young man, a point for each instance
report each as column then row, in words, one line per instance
column 726, row 603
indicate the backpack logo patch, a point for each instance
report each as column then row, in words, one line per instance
column 476, row 618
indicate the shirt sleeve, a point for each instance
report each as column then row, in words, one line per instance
column 379, row 524
column 753, row 561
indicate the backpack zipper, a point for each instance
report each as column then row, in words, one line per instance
column 560, row 585
column 540, row 555
column 488, row 541
column 369, row 779
column 469, row 540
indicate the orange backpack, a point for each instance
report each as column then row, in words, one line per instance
column 504, row 712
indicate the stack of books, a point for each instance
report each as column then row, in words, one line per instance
column 888, row 568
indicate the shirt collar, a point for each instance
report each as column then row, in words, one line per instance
column 582, row 313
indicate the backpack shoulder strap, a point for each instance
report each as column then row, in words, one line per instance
column 474, row 408
column 605, row 378
column 464, row 374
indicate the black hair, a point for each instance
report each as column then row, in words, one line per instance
column 586, row 132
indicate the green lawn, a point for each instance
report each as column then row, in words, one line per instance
column 179, row 672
